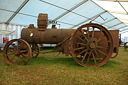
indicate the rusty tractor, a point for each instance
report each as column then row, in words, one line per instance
column 90, row 44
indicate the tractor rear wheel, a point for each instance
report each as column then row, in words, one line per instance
column 91, row 45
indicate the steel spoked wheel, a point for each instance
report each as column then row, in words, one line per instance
column 17, row 51
column 91, row 45
column 126, row 46
column 35, row 50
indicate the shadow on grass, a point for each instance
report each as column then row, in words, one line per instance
column 41, row 60
column 111, row 64
column 68, row 61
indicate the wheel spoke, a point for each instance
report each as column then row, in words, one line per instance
column 16, row 60
column 22, row 51
column 84, row 57
column 93, row 33
column 24, row 55
column 88, row 31
column 94, row 58
column 10, row 54
column 17, row 45
column 13, row 58
column 97, row 55
column 89, row 56
column 82, row 52
column 80, row 38
column 13, row 45
column 79, row 48
column 81, row 43
column 11, row 50
column 22, row 59
column 83, row 35
column 102, row 52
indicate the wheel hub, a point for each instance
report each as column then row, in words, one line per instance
column 92, row 45
column 17, row 53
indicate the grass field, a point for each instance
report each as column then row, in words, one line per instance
column 65, row 71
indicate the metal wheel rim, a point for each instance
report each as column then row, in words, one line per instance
column 110, row 47
column 22, row 57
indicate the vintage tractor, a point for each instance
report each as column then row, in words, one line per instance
column 90, row 44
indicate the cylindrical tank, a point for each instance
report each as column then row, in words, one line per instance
column 48, row 36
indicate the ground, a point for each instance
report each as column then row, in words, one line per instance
column 65, row 71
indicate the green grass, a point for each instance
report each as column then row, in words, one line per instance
column 65, row 71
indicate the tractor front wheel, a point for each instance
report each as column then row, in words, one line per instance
column 17, row 51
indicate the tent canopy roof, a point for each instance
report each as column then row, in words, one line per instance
column 68, row 14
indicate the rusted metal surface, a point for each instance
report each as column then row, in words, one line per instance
column 90, row 45
column 49, row 36
column 115, row 37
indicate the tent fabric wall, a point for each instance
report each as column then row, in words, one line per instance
column 11, row 27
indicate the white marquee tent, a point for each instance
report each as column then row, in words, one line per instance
column 113, row 14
